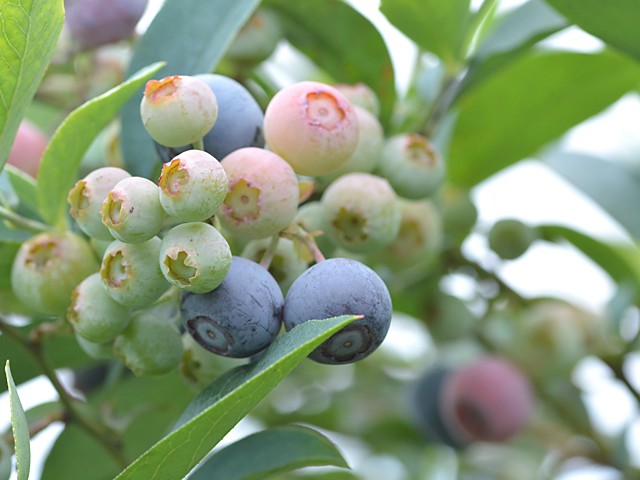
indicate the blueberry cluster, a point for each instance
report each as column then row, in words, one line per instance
column 211, row 246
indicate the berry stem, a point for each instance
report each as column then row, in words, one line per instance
column 265, row 261
column 23, row 222
column 198, row 144
column 103, row 435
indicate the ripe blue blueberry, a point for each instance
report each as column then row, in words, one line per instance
column 341, row 286
column 239, row 318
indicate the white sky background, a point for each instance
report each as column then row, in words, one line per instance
column 515, row 192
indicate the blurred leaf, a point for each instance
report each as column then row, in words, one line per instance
column 514, row 35
column 6, row 452
column 598, row 178
column 527, row 105
column 29, row 31
column 271, row 451
column 324, row 30
column 621, row 262
column 614, row 22
column 24, row 185
column 77, row 455
column 226, row 401
column 73, row 137
column 19, row 426
column 191, row 36
column 437, row 26
column 8, row 252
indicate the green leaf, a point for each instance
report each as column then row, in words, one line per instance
column 598, row 178
column 24, row 185
column 615, row 22
column 271, row 451
column 73, row 137
column 437, row 26
column 324, row 31
column 20, row 428
column 76, row 454
column 513, row 36
column 527, row 105
column 29, row 30
column 8, row 251
column 620, row 261
column 191, row 36
column 227, row 400
column 6, row 453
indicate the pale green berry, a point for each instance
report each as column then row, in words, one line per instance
column 192, row 186
column 361, row 213
column 132, row 211
column 150, row 345
column 93, row 314
column 96, row 351
column 131, row 274
column 48, row 267
column 86, row 197
column 195, row 257
column 178, row 110
column 360, row 95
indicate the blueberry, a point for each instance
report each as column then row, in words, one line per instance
column 257, row 39
column 239, row 318
column 509, row 238
column 341, row 286
column 239, row 122
column 94, row 22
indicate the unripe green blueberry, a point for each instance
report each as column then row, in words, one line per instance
column 192, row 186
column 199, row 366
column 96, row 351
column 459, row 214
column 449, row 319
column 360, row 95
column 361, row 213
column 131, row 273
column 510, row 238
column 263, row 193
column 367, row 153
column 48, row 267
column 312, row 126
column 86, row 197
column 419, row 238
column 178, row 110
column 412, row 164
column 310, row 217
column 132, row 211
column 285, row 266
column 257, row 39
column 93, row 314
column 150, row 345
column 195, row 257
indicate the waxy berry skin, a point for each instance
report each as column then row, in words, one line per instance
column 341, row 286
column 178, row 110
column 47, row 268
column 312, row 126
column 239, row 318
column 262, row 199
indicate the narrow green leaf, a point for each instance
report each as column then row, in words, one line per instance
column 620, row 261
column 514, row 35
column 615, row 22
column 20, row 428
column 598, row 178
column 437, row 26
column 322, row 30
column 29, row 30
column 73, row 137
column 226, row 401
column 191, row 36
column 527, row 105
column 24, row 185
column 271, row 451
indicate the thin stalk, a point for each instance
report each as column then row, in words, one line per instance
column 23, row 222
column 267, row 256
column 100, row 432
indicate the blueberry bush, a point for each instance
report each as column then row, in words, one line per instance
column 238, row 213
